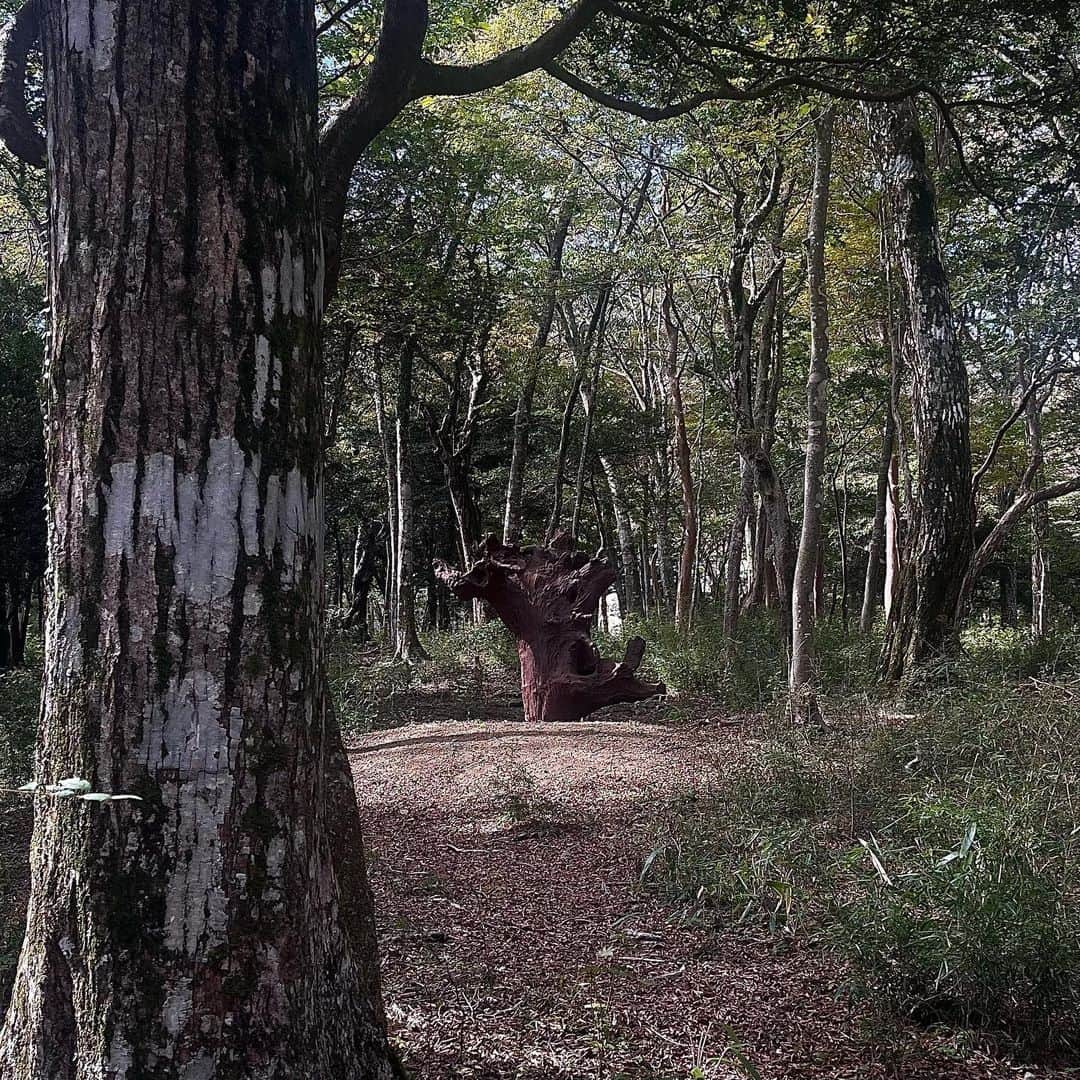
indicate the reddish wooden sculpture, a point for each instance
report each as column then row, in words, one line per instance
column 547, row 598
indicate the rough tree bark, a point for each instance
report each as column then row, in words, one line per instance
column 800, row 671
column 548, row 597
column 223, row 927
column 214, row 929
column 921, row 626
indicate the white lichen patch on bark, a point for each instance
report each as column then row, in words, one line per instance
column 120, row 510
column 262, row 375
column 193, row 743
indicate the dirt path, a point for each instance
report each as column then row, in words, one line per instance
column 516, row 943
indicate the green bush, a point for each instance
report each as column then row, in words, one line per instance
column 20, row 696
column 934, row 853
column 978, row 933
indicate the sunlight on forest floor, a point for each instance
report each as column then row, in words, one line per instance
column 517, row 939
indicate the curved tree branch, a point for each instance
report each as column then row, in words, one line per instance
column 385, row 93
column 17, row 130
column 1002, row 527
column 398, row 76
column 435, row 80
column 634, row 108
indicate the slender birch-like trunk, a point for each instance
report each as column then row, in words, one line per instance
column 800, row 672
column 1040, row 526
column 684, row 591
column 519, row 449
column 406, row 638
column 876, row 549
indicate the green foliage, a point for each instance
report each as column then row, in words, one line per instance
column 701, row 662
column 934, row 853
column 20, row 694
column 371, row 691
column 482, row 652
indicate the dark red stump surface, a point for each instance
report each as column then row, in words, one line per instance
column 547, row 598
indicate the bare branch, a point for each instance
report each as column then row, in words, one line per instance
column 1036, row 384
column 626, row 105
column 347, row 135
column 17, row 130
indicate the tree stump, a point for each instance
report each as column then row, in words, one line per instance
column 547, row 596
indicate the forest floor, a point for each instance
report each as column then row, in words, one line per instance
column 518, row 943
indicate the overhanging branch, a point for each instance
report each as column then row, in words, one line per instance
column 436, row 80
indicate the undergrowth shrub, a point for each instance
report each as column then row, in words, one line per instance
column 20, row 696
column 934, row 852
column 746, row 675
column 372, row 690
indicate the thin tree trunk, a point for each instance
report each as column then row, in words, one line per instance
column 1040, row 527
column 407, row 645
column 735, row 546
column 892, row 538
column 922, row 626
column 624, row 531
column 389, row 455
column 588, row 399
column 840, row 503
column 684, row 593
column 519, row 449
column 876, row 549
column 222, row 926
column 802, row 603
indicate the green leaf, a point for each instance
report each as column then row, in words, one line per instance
column 969, row 838
column 879, row 866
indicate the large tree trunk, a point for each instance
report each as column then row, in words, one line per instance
column 922, row 625
column 817, row 413
column 548, row 598
column 210, row 930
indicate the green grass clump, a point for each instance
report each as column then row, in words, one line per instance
column 933, row 851
column 20, row 699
